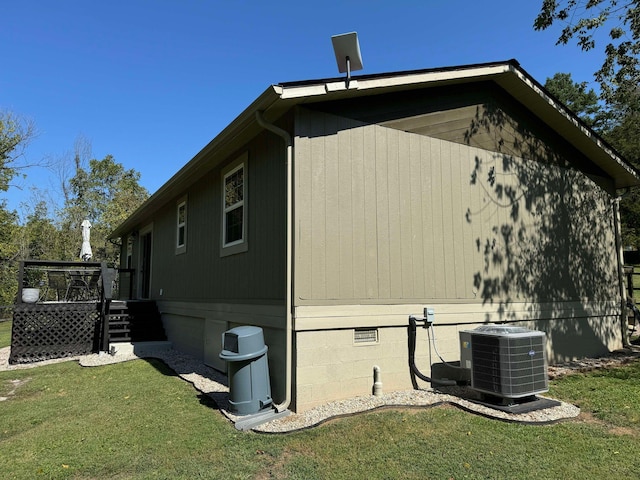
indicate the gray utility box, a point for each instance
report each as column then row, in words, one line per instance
column 244, row 351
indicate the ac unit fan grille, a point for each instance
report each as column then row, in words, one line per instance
column 511, row 367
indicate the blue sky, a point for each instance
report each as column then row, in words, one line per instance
column 151, row 82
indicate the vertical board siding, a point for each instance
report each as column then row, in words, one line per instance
column 386, row 215
column 302, row 188
column 428, row 247
column 371, row 215
column 435, row 197
column 331, row 195
column 392, row 244
column 378, row 157
column 345, row 215
column 458, row 187
column 358, row 212
column 418, row 231
column 318, row 189
column 201, row 274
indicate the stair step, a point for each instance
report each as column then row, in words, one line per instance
column 135, row 320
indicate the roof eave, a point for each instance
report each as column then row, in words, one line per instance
column 540, row 102
column 511, row 77
column 224, row 143
column 276, row 99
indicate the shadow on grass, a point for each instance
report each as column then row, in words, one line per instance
column 210, row 384
column 161, row 366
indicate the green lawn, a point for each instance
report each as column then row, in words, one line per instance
column 138, row 420
column 5, row 333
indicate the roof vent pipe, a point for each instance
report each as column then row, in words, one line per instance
column 289, row 284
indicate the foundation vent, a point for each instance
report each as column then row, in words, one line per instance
column 365, row 336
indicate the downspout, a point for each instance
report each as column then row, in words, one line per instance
column 289, row 284
column 621, row 279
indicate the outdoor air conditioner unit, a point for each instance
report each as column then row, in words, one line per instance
column 505, row 361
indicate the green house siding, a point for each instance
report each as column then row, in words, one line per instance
column 469, row 190
column 201, row 273
column 481, row 115
column 389, row 216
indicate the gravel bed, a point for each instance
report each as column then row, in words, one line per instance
column 213, row 383
column 413, row 399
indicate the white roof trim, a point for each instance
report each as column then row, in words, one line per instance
column 573, row 119
column 402, row 80
column 279, row 98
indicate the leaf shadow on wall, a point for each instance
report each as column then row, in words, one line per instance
column 547, row 246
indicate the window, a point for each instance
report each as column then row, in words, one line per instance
column 181, row 226
column 234, row 208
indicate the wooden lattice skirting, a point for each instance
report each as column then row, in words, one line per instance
column 56, row 330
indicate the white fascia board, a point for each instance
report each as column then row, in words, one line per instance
column 571, row 118
column 303, row 91
column 509, row 76
column 432, row 77
column 408, row 80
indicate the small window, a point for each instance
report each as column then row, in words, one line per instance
column 234, row 208
column 181, row 227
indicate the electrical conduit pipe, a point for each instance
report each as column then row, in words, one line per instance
column 412, row 358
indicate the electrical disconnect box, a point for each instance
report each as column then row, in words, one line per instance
column 429, row 315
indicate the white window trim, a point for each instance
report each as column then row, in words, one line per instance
column 180, row 249
column 237, row 246
column 239, row 204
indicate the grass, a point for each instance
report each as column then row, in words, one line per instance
column 611, row 396
column 138, row 420
column 5, row 333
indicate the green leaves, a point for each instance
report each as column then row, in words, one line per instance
column 581, row 101
column 105, row 194
column 15, row 133
column 580, row 19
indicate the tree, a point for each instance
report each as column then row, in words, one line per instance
column 582, row 102
column 15, row 134
column 624, row 135
column 619, row 125
column 580, row 19
column 9, row 251
column 105, row 194
column 39, row 235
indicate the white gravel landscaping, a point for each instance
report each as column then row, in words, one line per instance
column 214, row 384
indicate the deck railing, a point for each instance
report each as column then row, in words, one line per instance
column 66, row 315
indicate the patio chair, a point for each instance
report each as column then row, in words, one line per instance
column 78, row 287
column 93, row 286
column 57, row 285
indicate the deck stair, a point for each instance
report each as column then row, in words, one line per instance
column 135, row 321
